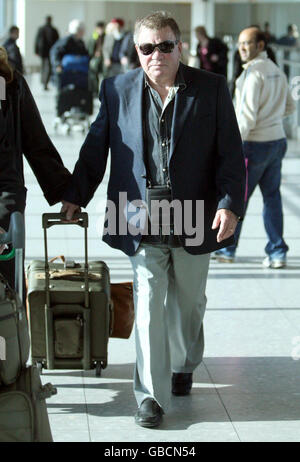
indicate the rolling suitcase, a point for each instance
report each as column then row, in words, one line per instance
column 23, row 411
column 70, row 313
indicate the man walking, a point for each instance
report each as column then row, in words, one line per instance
column 12, row 49
column 173, row 134
column 46, row 36
column 95, row 50
column 112, row 47
column 262, row 101
column 212, row 52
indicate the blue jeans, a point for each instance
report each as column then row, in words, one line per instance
column 264, row 169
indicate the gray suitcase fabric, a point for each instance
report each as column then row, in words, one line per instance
column 14, row 334
column 23, row 411
column 67, row 293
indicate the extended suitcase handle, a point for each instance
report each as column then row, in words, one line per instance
column 48, row 220
column 53, row 219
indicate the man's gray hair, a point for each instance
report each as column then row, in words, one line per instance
column 75, row 26
column 156, row 21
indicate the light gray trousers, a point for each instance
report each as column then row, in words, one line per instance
column 170, row 301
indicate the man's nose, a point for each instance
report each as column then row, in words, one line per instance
column 156, row 52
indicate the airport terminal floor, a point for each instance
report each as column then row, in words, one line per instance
column 247, row 388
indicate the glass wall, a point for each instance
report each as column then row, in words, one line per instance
column 3, row 15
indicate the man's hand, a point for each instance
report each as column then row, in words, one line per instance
column 214, row 58
column 227, row 221
column 70, row 209
column 124, row 61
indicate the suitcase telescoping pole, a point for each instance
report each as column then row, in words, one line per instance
column 16, row 237
column 52, row 219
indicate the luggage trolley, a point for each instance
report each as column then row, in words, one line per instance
column 74, row 98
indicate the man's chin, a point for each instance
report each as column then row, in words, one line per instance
column 157, row 67
column 157, row 70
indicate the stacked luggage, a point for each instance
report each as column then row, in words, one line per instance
column 70, row 313
column 74, row 99
column 23, row 412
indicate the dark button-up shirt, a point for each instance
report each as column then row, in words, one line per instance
column 157, row 140
column 158, row 125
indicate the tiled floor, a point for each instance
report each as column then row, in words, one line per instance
column 248, row 387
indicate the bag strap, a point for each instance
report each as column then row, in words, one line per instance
column 58, row 257
column 68, row 263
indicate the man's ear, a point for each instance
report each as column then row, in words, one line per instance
column 180, row 47
column 261, row 46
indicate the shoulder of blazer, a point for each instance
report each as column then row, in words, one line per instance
column 125, row 80
column 123, row 83
column 201, row 78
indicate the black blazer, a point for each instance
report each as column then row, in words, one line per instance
column 206, row 161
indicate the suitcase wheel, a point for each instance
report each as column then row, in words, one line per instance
column 99, row 366
column 40, row 367
column 98, row 369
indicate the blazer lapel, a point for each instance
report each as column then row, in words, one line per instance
column 134, row 105
column 184, row 101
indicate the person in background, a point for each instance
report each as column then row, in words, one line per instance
column 212, row 52
column 262, row 101
column 112, row 47
column 289, row 40
column 12, row 49
column 72, row 44
column 128, row 55
column 22, row 132
column 270, row 38
column 95, row 50
column 46, row 37
column 238, row 63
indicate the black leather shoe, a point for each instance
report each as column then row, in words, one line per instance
column 149, row 414
column 182, row 383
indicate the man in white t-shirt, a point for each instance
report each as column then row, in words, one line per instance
column 262, row 101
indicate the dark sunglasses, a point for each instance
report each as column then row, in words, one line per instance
column 164, row 47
